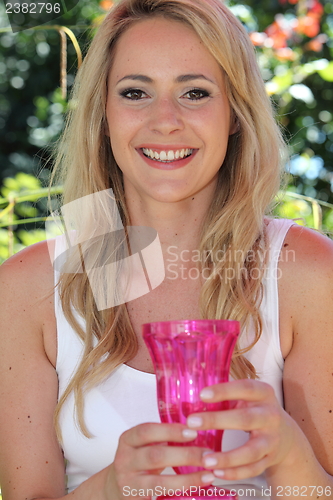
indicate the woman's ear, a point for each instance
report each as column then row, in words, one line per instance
column 106, row 127
column 234, row 124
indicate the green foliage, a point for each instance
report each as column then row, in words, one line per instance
column 294, row 43
column 23, row 203
column 306, row 211
column 23, row 213
column 31, row 106
column 19, row 184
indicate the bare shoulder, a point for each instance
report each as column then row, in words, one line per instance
column 27, row 292
column 309, row 244
column 305, row 285
column 306, row 263
column 31, row 262
column 306, row 296
column 28, row 274
column 28, row 379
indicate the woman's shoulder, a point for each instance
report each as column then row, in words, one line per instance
column 306, row 269
column 308, row 251
column 27, row 297
column 305, row 286
column 31, row 267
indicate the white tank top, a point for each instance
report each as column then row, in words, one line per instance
column 128, row 396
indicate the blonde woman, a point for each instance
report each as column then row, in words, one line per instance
column 170, row 112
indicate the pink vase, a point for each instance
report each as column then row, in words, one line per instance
column 188, row 356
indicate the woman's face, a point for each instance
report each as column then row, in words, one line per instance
column 167, row 112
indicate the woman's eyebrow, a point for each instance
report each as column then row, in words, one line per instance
column 179, row 79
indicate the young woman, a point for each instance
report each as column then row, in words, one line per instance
column 170, row 112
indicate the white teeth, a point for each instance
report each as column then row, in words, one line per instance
column 166, row 156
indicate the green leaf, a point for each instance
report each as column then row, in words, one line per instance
column 26, row 210
column 21, row 182
column 26, row 181
column 279, row 84
column 31, row 237
column 327, row 73
column 4, row 238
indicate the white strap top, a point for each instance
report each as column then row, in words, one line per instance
column 128, row 396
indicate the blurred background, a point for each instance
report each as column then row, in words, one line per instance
column 294, row 42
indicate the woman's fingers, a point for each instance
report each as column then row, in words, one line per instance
column 143, row 452
column 256, row 411
column 144, row 448
column 253, row 451
column 246, row 419
column 243, row 472
column 161, row 456
column 256, row 407
column 141, row 457
column 146, row 434
column 245, row 389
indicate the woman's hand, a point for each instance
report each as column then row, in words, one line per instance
column 257, row 411
column 143, row 454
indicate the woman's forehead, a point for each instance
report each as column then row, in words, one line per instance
column 162, row 44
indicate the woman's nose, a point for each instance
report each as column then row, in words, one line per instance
column 165, row 116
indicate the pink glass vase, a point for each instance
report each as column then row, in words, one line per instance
column 188, row 356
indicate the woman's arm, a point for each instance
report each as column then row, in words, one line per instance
column 293, row 446
column 307, row 295
column 31, row 460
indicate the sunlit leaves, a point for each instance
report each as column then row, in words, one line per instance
column 327, row 72
column 12, row 186
column 295, row 52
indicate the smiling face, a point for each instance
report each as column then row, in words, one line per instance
column 167, row 113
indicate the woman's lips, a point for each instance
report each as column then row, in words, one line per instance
column 167, row 165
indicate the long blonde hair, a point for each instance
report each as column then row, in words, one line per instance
column 248, row 181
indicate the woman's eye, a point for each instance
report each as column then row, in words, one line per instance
column 197, row 94
column 133, row 94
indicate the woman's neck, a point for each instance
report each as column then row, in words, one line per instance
column 177, row 224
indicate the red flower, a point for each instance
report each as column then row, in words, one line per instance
column 280, row 31
column 257, row 38
column 317, row 43
column 315, row 7
column 286, row 54
column 308, row 25
column 106, row 4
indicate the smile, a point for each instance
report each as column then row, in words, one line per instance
column 167, row 156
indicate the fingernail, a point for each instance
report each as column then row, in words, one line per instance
column 189, row 433
column 194, row 421
column 208, row 478
column 219, row 473
column 210, row 461
column 207, row 394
